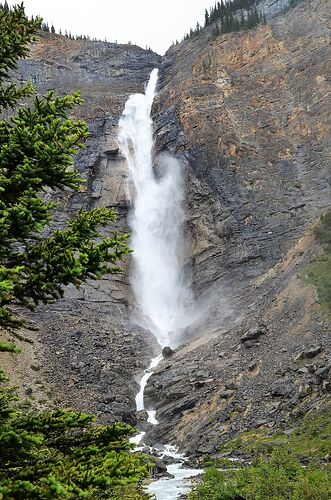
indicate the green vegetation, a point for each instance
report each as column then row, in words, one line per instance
column 61, row 453
column 276, row 471
column 319, row 272
column 233, row 15
column 280, row 477
column 36, row 153
column 310, row 438
column 225, row 18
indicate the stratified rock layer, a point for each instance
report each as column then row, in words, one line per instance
column 248, row 113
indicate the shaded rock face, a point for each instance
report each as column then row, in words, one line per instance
column 247, row 114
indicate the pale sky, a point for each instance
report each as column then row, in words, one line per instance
column 152, row 23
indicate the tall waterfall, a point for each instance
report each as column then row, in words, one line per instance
column 156, row 222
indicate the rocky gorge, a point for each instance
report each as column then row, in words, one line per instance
column 247, row 115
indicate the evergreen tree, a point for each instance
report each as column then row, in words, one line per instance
column 216, row 31
column 62, row 453
column 45, row 27
column 206, row 17
column 230, row 19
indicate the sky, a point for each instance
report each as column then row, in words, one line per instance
column 151, row 23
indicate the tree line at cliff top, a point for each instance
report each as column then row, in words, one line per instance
column 234, row 15
column 223, row 15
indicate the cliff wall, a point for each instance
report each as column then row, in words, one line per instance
column 247, row 114
column 88, row 353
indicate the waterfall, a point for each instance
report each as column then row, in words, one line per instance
column 156, row 222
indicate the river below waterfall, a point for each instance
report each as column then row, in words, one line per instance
column 172, row 488
column 166, row 488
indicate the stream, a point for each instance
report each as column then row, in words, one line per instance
column 167, row 488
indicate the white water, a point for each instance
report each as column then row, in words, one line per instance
column 171, row 488
column 158, row 282
column 156, row 223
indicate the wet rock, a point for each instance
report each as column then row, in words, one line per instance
column 168, row 460
column 160, row 470
column 160, row 467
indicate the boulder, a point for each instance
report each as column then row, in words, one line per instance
column 167, row 352
column 253, row 333
column 310, row 353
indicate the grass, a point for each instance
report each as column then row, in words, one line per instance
column 311, row 438
column 319, row 272
column 276, row 470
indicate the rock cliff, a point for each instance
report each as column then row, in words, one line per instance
column 247, row 114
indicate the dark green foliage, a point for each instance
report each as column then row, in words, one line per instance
column 226, row 18
column 279, row 477
column 45, row 27
column 323, row 230
column 63, row 454
column 276, row 471
column 36, row 152
column 319, row 272
column 311, row 438
column 60, row 453
column 13, row 45
column 234, row 15
column 5, row 6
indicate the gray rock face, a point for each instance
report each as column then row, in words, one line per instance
column 248, row 114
